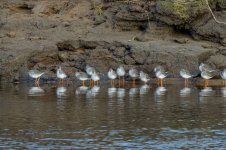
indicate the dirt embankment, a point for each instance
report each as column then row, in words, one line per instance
column 175, row 33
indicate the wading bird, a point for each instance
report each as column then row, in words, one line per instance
column 90, row 70
column 61, row 74
column 36, row 75
column 144, row 77
column 205, row 67
column 133, row 73
column 186, row 75
column 160, row 73
column 206, row 75
column 121, row 73
column 96, row 78
column 223, row 76
column 82, row 77
column 112, row 76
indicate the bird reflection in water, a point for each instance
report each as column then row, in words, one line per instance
column 223, row 91
column 61, row 92
column 144, row 89
column 36, row 91
column 160, row 91
column 121, row 93
column 207, row 91
column 93, row 91
column 186, row 91
column 112, row 92
column 82, row 90
column 133, row 92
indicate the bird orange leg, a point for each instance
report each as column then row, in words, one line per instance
column 134, row 82
column 206, row 83
column 123, row 81
column 161, row 82
column 158, row 81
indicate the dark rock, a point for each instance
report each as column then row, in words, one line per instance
column 99, row 20
column 181, row 41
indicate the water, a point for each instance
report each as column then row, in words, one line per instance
column 141, row 117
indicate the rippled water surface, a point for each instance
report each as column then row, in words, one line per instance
column 104, row 117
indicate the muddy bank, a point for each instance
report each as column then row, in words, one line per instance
column 40, row 35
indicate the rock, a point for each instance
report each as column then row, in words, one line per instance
column 222, row 50
column 181, row 41
column 224, row 42
column 218, row 60
column 66, row 24
column 2, row 35
column 35, row 38
column 11, row 34
column 99, row 20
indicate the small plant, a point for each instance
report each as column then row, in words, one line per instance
column 99, row 9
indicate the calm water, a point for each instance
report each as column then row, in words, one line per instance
column 103, row 117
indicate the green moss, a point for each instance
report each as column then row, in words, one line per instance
column 183, row 9
column 175, row 7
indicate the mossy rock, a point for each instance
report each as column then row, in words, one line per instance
column 184, row 10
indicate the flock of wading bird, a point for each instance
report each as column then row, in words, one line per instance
column 94, row 77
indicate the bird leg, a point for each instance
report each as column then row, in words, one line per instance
column 186, row 82
column 123, row 81
column 83, row 83
column 161, row 82
column 205, row 83
column 119, row 81
column 134, row 82
column 38, row 80
column 158, row 82
column 35, row 81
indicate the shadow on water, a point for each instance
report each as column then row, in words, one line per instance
column 104, row 117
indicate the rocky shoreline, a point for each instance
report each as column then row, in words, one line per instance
column 42, row 35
